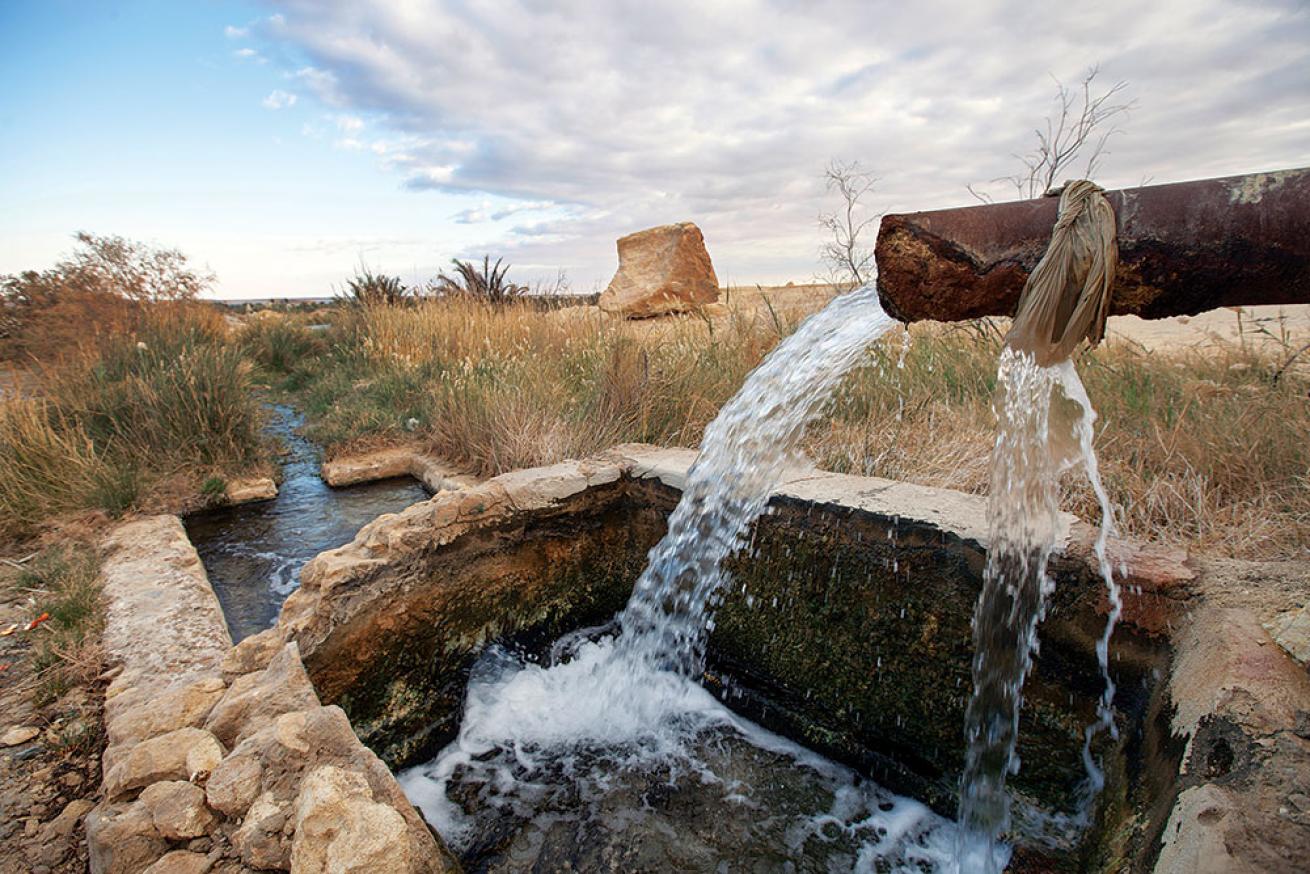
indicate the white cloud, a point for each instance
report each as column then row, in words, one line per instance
column 279, row 99
column 234, row 32
column 348, row 123
column 632, row 113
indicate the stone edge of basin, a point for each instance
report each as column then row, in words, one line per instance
column 1161, row 587
column 249, row 490
column 436, row 474
column 223, row 756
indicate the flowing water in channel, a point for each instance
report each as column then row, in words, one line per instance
column 254, row 553
column 1044, row 428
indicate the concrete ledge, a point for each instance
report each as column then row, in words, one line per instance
column 163, row 624
column 437, row 475
column 248, row 490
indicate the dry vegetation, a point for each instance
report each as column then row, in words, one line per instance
column 131, row 394
column 1204, row 447
column 1199, row 447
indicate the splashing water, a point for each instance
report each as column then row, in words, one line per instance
column 1044, row 420
column 743, row 456
column 614, row 755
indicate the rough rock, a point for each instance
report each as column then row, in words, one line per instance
column 263, row 840
column 180, row 862
column 662, row 270
column 123, row 839
column 67, row 821
column 248, row 490
column 1242, row 705
column 1194, row 838
column 1291, row 631
column 178, row 809
column 341, row 829
column 17, row 735
column 182, row 707
column 252, row 654
column 185, row 754
column 287, row 749
column 257, row 697
column 234, row 784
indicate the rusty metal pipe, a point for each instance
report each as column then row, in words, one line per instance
column 1183, row 249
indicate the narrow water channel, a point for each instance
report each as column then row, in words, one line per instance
column 254, row 553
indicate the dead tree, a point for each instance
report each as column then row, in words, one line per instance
column 1079, row 128
column 847, row 254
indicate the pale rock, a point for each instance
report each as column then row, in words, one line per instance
column 1291, row 631
column 1194, row 840
column 341, row 829
column 19, row 734
column 178, row 809
column 122, row 839
column 252, row 654
column 184, row 707
column 661, row 270
column 234, row 784
column 247, row 490
column 180, row 862
column 66, row 822
column 254, row 699
column 261, row 840
column 184, row 754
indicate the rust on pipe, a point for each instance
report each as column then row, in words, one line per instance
column 1183, row 249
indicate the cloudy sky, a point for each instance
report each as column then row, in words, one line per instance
column 282, row 144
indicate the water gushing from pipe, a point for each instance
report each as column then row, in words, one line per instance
column 1044, row 428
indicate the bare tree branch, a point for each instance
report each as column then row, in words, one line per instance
column 1079, row 127
column 847, row 253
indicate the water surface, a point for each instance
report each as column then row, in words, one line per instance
column 254, row 553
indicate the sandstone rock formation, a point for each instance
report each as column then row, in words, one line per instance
column 661, row 270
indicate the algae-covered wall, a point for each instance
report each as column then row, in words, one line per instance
column 539, row 573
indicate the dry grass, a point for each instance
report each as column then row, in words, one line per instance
column 105, row 427
column 1200, row 448
column 502, row 387
column 63, row 584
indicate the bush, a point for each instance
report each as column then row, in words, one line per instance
column 375, row 289
column 489, row 285
column 99, row 292
column 280, row 345
column 175, row 397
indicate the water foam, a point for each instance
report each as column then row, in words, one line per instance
column 601, row 754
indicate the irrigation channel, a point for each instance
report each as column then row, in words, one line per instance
column 253, row 553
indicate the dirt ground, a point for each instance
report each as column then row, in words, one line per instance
column 50, row 780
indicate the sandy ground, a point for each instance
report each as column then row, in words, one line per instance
column 1260, row 325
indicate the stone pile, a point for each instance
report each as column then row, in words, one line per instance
column 226, row 761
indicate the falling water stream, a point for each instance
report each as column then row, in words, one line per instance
column 1044, row 428
column 612, row 756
